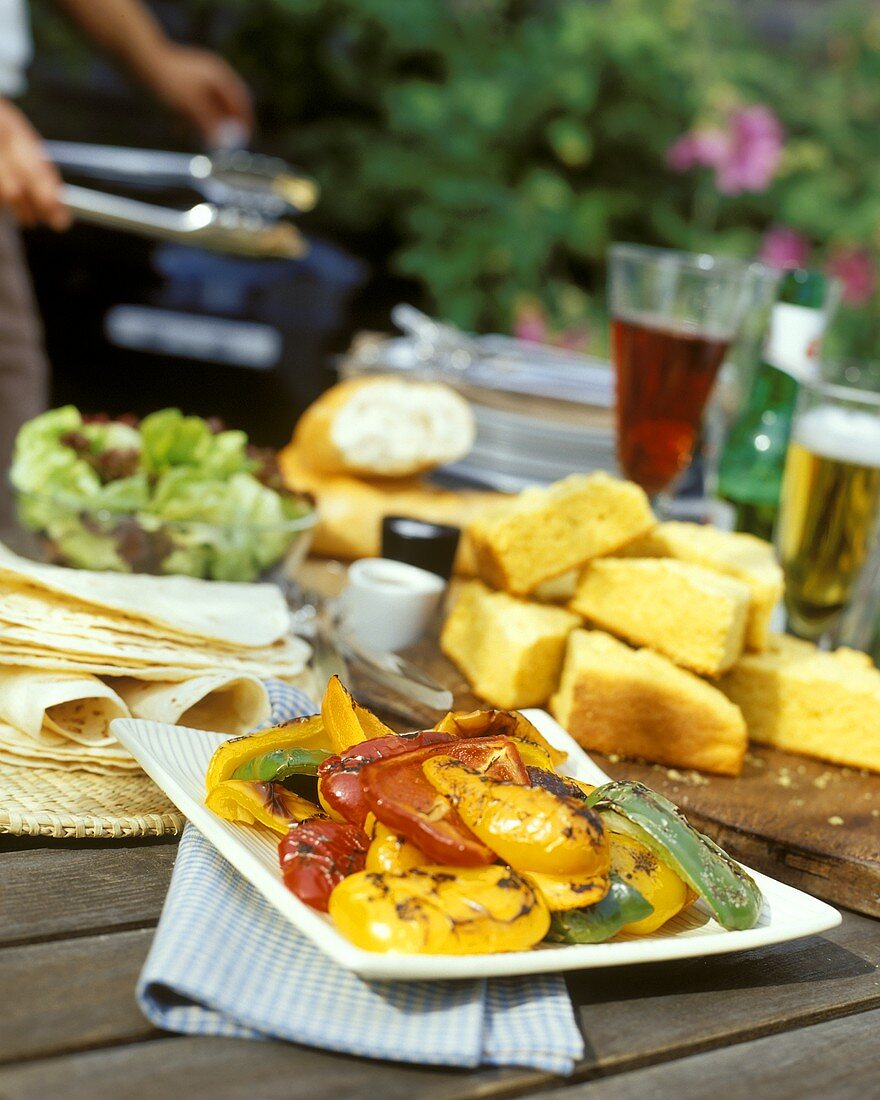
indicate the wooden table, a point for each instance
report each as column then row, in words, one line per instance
column 76, row 920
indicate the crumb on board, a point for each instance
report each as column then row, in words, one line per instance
column 754, row 760
column 835, row 820
column 613, row 758
column 783, row 779
column 694, row 779
column 822, row 781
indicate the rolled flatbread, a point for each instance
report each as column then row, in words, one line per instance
column 219, row 701
column 50, row 707
column 350, row 511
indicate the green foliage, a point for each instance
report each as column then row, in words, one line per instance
column 491, row 149
column 500, row 145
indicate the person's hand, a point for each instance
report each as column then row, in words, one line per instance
column 29, row 182
column 201, row 87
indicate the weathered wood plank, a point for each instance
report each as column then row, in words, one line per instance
column 230, row 1069
column 71, row 994
column 837, row 1058
column 78, row 994
column 637, row 1015
column 56, row 892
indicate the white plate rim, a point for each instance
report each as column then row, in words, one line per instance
column 814, row 915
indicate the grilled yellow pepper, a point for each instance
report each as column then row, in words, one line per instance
column 564, row 892
column 653, row 879
column 304, row 733
column 346, row 721
column 440, row 910
column 530, row 828
column 389, row 851
column 251, row 803
column 495, row 723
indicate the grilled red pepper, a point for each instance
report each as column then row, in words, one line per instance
column 401, row 797
column 317, row 855
column 339, row 776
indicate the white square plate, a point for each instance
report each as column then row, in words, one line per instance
column 177, row 758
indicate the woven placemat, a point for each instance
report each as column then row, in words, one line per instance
column 54, row 803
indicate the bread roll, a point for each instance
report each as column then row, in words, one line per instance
column 383, row 426
column 350, row 512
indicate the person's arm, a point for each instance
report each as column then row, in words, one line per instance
column 198, row 84
column 29, row 182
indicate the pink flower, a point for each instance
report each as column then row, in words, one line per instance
column 857, row 272
column 745, row 153
column 576, row 338
column 530, row 324
column 783, row 247
column 696, row 149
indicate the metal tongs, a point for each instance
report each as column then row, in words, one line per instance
column 248, row 197
column 404, row 688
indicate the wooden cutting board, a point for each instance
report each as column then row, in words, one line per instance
column 813, row 825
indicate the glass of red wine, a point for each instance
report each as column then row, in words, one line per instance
column 674, row 316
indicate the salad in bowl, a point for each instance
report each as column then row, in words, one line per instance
column 166, row 494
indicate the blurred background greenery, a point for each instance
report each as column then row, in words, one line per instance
column 481, row 154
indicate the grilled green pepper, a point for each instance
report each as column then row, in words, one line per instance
column 633, row 809
column 622, row 905
column 278, row 764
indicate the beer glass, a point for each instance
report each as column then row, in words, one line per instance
column 830, row 503
column 673, row 317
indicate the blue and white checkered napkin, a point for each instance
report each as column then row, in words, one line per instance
column 224, row 962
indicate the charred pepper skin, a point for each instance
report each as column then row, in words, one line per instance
column 529, row 828
column 316, row 855
column 347, row 722
column 299, row 733
column 729, row 891
column 276, row 765
column 339, row 784
column 401, row 797
column 622, row 905
column 254, row 803
column 440, row 910
column 500, row 723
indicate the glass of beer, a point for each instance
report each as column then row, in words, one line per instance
column 830, row 504
column 673, row 317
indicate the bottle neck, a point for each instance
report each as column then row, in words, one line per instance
column 773, row 388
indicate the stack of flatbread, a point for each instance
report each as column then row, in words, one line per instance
column 78, row 649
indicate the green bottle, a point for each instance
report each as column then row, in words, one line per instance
column 752, row 461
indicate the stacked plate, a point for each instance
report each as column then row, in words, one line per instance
column 515, row 449
column 540, row 412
